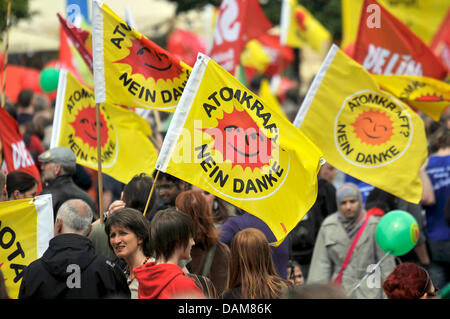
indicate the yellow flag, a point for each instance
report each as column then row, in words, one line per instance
column 267, row 96
column 131, row 70
column 423, row 17
column 255, row 56
column 126, row 148
column 26, row 227
column 426, row 94
column 363, row 131
column 226, row 140
column 299, row 27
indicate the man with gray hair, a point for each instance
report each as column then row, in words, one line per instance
column 70, row 268
column 58, row 167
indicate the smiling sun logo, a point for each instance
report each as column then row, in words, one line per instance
column 373, row 127
column 149, row 62
column 241, row 141
column 86, row 129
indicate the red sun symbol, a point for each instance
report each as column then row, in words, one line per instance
column 300, row 16
column 241, row 141
column 85, row 128
column 147, row 59
column 373, row 127
column 430, row 98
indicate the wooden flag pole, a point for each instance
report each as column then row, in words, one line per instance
column 99, row 161
column 151, row 193
column 5, row 64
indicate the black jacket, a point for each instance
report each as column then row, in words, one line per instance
column 63, row 188
column 70, row 269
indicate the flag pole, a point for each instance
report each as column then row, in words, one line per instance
column 99, row 161
column 151, row 193
column 5, row 64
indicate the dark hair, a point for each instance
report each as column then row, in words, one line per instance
column 169, row 229
column 24, row 98
column 136, row 192
column 407, row 281
column 197, row 207
column 21, row 181
column 381, row 199
column 133, row 220
column 167, row 176
column 439, row 139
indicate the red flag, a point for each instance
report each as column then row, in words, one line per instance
column 81, row 39
column 385, row 45
column 281, row 55
column 441, row 41
column 238, row 21
column 16, row 156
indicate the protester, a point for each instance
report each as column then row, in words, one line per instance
column 435, row 196
column 168, row 187
column 233, row 225
column 20, row 185
column 252, row 273
column 129, row 236
column 134, row 195
column 3, row 190
column 171, row 235
column 210, row 257
column 294, row 273
column 304, row 234
column 70, row 268
column 409, row 281
column 332, row 249
column 25, row 108
column 59, row 165
column 221, row 209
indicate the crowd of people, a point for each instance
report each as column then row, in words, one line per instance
column 188, row 243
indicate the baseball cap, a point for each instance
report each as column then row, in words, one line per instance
column 60, row 155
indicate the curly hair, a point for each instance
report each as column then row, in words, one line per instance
column 407, row 281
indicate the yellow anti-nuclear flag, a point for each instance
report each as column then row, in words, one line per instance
column 124, row 135
column 224, row 139
column 26, row 227
column 363, row 131
column 266, row 95
column 131, row 70
column 300, row 28
column 423, row 93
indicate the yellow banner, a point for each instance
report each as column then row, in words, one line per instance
column 363, row 131
column 131, row 70
column 268, row 97
column 299, row 27
column 124, row 135
column 226, row 140
column 426, row 94
column 423, row 17
column 26, row 227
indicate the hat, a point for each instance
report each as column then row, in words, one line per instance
column 59, row 155
column 348, row 189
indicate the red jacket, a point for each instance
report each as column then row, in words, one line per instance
column 164, row 281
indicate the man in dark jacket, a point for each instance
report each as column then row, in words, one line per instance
column 58, row 167
column 70, row 268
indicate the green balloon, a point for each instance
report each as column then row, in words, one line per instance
column 397, row 232
column 48, row 80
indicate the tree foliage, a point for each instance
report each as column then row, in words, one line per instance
column 328, row 12
column 19, row 10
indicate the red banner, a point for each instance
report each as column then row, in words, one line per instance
column 441, row 41
column 16, row 156
column 281, row 56
column 79, row 38
column 238, row 21
column 385, row 45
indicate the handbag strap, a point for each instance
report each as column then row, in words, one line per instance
column 338, row 278
column 209, row 260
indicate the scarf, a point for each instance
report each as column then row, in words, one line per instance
column 351, row 225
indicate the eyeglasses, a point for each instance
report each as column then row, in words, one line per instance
column 427, row 284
